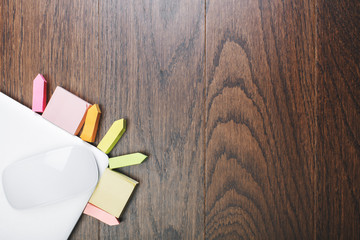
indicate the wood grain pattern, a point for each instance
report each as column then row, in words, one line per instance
column 338, row 149
column 151, row 71
column 59, row 40
column 248, row 109
column 260, row 119
column 3, row 10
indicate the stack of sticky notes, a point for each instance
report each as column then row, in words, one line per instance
column 112, row 192
column 72, row 114
column 114, row 189
column 66, row 110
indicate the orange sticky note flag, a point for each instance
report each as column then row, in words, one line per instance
column 101, row 215
column 91, row 123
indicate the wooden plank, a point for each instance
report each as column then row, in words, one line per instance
column 260, row 119
column 151, row 71
column 2, row 45
column 58, row 39
column 338, row 93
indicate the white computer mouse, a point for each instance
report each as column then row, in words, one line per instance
column 50, row 177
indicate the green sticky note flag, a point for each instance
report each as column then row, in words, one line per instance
column 112, row 192
column 126, row 160
column 112, row 136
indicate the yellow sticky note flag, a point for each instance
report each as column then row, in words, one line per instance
column 112, row 136
column 112, row 192
column 126, row 160
column 91, row 123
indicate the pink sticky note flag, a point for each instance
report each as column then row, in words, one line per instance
column 101, row 215
column 39, row 94
column 66, row 111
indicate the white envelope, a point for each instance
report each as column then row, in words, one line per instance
column 23, row 134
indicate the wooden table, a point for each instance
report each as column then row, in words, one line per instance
column 249, row 110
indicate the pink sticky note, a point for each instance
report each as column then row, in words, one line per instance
column 101, row 215
column 39, row 94
column 66, row 111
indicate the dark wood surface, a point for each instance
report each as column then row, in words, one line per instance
column 260, row 119
column 248, row 109
column 338, row 120
column 151, row 72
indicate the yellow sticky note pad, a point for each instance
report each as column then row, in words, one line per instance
column 112, row 136
column 91, row 123
column 126, row 160
column 112, row 192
